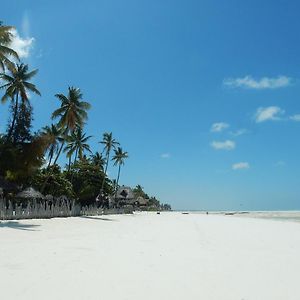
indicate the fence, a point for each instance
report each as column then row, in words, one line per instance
column 46, row 210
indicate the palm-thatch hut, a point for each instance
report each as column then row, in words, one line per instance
column 139, row 202
column 30, row 193
column 124, row 195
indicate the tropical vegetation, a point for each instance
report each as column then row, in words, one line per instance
column 57, row 159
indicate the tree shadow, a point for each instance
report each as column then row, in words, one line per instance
column 97, row 218
column 17, row 225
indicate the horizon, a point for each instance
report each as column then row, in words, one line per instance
column 202, row 96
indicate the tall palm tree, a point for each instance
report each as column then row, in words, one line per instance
column 72, row 113
column 119, row 160
column 109, row 144
column 53, row 135
column 6, row 53
column 16, row 85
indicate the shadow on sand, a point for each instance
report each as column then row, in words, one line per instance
column 17, row 225
column 97, row 218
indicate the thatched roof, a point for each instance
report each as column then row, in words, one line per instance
column 30, row 193
column 141, row 200
column 125, row 193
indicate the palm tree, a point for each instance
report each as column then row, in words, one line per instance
column 98, row 160
column 119, row 160
column 72, row 113
column 5, row 51
column 109, row 143
column 77, row 143
column 17, row 84
column 53, row 134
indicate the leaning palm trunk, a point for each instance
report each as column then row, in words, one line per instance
column 76, row 154
column 50, row 159
column 69, row 164
column 51, row 171
column 117, row 183
column 105, row 171
column 14, row 118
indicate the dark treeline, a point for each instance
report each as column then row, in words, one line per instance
column 31, row 158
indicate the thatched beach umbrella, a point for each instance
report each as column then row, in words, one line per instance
column 30, row 193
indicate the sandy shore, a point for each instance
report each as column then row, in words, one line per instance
column 148, row 256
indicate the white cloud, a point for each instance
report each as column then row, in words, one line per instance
column 240, row 166
column 165, row 155
column 268, row 113
column 262, row 83
column 21, row 45
column 295, row 118
column 239, row 132
column 226, row 145
column 218, row 127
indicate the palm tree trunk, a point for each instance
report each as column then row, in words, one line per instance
column 69, row 164
column 105, row 171
column 58, row 154
column 50, row 159
column 117, row 183
column 76, row 154
column 14, row 118
column 51, row 171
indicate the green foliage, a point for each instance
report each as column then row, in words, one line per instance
column 139, row 192
column 77, row 143
column 6, row 53
column 56, row 185
column 87, row 180
column 20, row 161
column 16, row 84
column 73, row 110
column 21, row 131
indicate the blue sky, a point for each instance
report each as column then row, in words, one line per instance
column 204, row 95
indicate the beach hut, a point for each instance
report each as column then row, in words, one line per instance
column 139, row 201
column 124, row 195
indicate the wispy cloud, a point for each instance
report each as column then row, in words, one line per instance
column 165, row 155
column 25, row 24
column 280, row 163
column 295, row 118
column 263, row 83
column 241, row 166
column 226, row 145
column 22, row 46
column 271, row 113
column 218, row 127
column 239, row 132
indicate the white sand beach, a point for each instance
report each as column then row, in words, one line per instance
column 150, row 256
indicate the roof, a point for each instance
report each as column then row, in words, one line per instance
column 30, row 193
column 125, row 193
